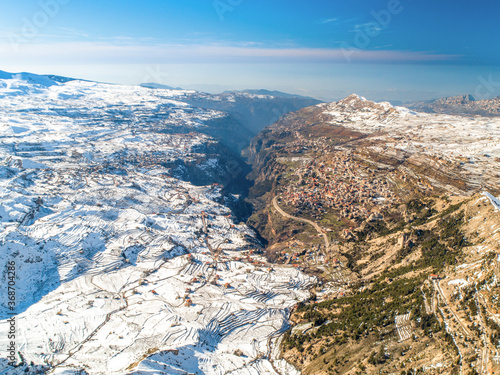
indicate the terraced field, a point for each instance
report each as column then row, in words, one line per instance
column 121, row 265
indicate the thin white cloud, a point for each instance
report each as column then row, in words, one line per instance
column 330, row 20
column 106, row 52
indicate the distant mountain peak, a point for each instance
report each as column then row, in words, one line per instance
column 462, row 99
column 353, row 98
column 465, row 105
column 153, row 85
column 35, row 79
column 265, row 92
column 356, row 102
column 45, row 80
column 358, row 107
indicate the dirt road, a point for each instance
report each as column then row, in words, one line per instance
column 316, row 226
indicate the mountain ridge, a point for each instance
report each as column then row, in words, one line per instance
column 465, row 105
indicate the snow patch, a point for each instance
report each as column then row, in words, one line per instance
column 460, row 282
column 494, row 201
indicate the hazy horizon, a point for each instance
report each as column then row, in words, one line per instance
column 395, row 50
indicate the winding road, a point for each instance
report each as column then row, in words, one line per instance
column 316, row 226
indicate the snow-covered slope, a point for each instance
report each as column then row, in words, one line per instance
column 28, row 78
column 471, row 144
column 494, row 201
column 474, row 137
column 121, row 267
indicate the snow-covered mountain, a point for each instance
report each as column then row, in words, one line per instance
column 29, row 78
column 475, row 140
column 449, row 147
column 127, row 256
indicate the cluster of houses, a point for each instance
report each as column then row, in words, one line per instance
column 337, row 184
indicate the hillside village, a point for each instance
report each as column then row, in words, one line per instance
column 339, row 184
column 392, row 194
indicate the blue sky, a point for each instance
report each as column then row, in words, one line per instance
column 383, row 49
